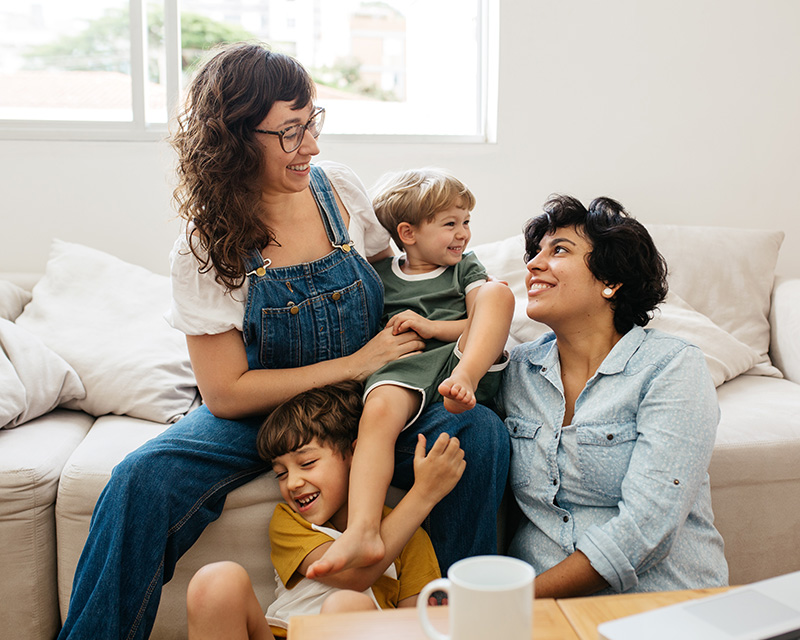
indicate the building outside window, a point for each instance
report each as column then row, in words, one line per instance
column 117, row 67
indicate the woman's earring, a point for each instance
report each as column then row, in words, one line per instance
column 608, row 292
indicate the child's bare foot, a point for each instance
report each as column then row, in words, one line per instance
column 352, row 549
column 458, row 393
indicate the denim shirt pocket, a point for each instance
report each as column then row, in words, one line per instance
column 604, row 453
column 524, row 434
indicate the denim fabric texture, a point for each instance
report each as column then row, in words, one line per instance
column 627, row 482
column 315, row 311
column 161, row 497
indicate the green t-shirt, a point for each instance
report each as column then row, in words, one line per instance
column 437, row 295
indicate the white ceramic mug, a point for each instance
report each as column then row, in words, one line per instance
column 488, row 597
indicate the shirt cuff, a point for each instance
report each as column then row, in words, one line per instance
column 607, row 559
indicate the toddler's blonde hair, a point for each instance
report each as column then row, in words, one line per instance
column 417, row 195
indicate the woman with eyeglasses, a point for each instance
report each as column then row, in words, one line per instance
column 273, row 287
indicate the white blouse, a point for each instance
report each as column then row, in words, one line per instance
column 200, row 305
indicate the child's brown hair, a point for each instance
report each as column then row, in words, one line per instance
column 417, row 195
column 330, row 414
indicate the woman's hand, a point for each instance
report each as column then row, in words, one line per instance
column 383, row 348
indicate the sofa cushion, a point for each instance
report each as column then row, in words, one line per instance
column 13, row 299
column 755, row 478
column 240, row 534
column 105, row 318
column 31, row 459
column 784, row 319
column 727, row 275
column 33, row 378
column 726, row 356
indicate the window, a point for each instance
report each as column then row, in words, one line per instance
column 116, row 68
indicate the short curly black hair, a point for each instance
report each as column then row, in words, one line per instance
column 623, row 253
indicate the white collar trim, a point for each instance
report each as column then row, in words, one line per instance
column 413, row 277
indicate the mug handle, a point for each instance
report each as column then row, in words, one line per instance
column 442, row 584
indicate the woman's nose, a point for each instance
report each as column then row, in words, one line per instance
column 309, row 144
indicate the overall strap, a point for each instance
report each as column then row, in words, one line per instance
column 331, row 217
column 256, row 264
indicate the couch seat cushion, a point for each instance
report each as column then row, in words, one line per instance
column 240, row 534
column 31, row 459
column 755, row 475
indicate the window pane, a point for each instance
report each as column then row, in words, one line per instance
column 390, row 67
column 65, row 60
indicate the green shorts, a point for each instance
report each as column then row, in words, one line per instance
column 425, row 371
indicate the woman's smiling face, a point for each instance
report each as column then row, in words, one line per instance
column 286, row 172
column 559, row 283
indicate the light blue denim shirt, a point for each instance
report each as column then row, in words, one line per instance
column 627, row 482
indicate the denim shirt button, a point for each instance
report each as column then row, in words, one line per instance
column 610, row 436
column 566, row 518
column 336, row 295
column 544, row 369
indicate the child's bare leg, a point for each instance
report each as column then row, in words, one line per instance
column 220, row 603
column 481, row 345
column 387, row 409
column 347, row 600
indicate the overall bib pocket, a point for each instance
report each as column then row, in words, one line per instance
column 323, row 327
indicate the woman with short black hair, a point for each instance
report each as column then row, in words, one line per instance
column 612, row 425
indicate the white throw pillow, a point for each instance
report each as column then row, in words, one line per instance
column 505, row 260
column 34, row 379
column 12, row 300
column 105, row 318
column 726, row 356
column 726, row 274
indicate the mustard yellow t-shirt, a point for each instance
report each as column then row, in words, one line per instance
column 292, row 539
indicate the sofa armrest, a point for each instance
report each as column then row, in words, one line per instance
column 784, row 320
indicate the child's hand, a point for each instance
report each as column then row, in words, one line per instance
column 436, row 473
column 409, row 321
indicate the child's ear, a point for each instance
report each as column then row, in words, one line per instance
column 406, row 233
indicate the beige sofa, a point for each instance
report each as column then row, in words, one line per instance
column 109, row 373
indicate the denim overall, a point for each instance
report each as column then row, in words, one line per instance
column 161, row 497
column 315, row 311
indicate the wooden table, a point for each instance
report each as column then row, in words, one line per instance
column 584, row 614
column 403, row 624
column 567, row 619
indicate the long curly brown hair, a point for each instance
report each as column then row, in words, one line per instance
column 220, row 161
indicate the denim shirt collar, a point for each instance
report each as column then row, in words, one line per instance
column 544, row 354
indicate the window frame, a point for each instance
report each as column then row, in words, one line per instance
column 139, row 130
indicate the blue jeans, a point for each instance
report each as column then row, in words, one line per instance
column 162, row 496
column 464, row 523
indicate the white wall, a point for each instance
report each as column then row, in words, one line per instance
column 687, row 111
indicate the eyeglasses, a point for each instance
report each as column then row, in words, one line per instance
column 292, row 137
